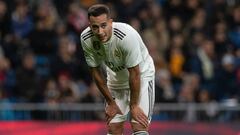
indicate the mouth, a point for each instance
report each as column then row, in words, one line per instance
column 102, row 37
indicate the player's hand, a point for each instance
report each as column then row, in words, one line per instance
column 111, row 110
column 138, row 115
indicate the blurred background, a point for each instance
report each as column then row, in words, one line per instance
column 195, row 45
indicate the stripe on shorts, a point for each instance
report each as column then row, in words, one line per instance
column 150, row 98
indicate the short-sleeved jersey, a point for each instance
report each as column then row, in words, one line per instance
column 125, row 49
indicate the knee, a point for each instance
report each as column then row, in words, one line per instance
column 138, row 127
column 115, row 128
column 140, row 133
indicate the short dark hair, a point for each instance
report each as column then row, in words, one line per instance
column 98, row 9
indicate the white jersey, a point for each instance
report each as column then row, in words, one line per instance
column 124, row 49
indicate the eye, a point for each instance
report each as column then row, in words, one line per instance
column 94, row 27
column 104, row 26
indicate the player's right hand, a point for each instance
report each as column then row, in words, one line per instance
column 111, row 110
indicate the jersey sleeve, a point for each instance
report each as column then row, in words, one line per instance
column 132, row 50
column 89, row 54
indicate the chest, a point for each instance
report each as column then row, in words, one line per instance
column 111, row 54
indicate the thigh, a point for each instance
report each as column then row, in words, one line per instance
column 147, row 97
column 121, row 99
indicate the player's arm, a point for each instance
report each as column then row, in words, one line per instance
column 94, row 63
column 133, row 57
column 134, row 82
column 132, row 60
column 111, row 109
column 101, row 84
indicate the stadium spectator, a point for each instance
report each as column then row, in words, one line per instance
column 27, row 85
column 92, row 96
column 21, row 20
column 4, row 20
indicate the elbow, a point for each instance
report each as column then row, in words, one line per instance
column 134, row 73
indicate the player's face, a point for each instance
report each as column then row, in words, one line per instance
column 101, row 27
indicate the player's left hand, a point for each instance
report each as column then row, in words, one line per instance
column 138, row 115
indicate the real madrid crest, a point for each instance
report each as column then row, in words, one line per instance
column 96, row 45
column 117, row 53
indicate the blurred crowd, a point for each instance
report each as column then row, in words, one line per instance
column 195, row 45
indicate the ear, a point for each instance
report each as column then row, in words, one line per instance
column 110, row 21
column 89, row 24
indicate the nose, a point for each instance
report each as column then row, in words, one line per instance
column 100, row 31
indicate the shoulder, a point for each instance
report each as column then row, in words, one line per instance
column 86, row 37
column 86, row 34
column 123, row 30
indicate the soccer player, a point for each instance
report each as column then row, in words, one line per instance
column 130, row 70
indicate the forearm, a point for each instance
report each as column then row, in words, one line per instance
column 101, row 84
column 134, row 82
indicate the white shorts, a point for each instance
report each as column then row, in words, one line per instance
column 146, row 100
